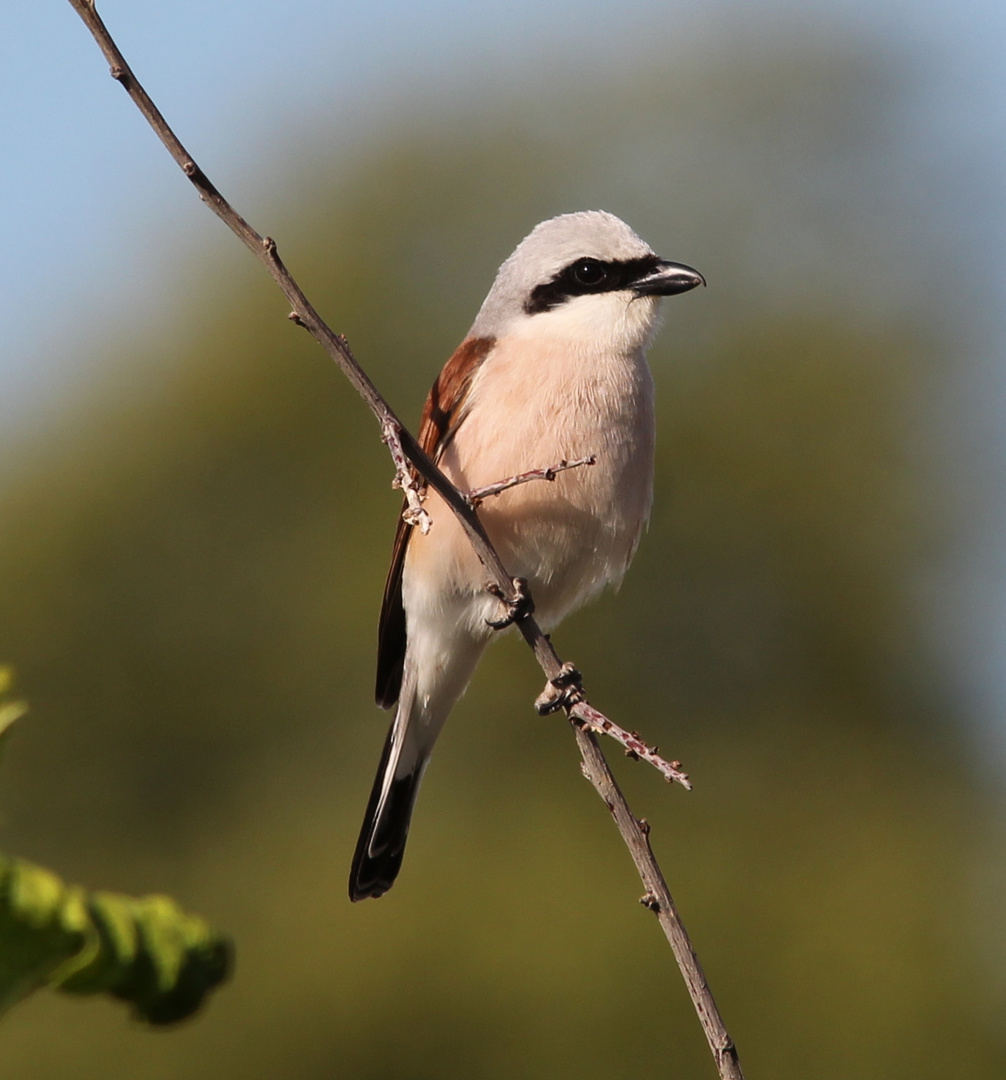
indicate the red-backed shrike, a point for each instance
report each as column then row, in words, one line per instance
column 552, row 369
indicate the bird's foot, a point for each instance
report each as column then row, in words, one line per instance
column 562, row 692
column 516, row 609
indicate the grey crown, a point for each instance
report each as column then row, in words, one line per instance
column 548, row 249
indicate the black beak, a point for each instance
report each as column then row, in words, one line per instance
column 668, row 278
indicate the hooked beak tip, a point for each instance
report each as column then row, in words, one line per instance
column 669, row 279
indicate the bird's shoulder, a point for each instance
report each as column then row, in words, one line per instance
column 444, row 406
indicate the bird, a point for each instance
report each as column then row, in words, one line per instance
column 552, row 370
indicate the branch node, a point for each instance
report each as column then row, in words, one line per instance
column 296, row 319
column 417, row 517
column 644, row 826
column 650, row 902
column 413, row 514
column 268, row 245
column 562, row 691
column 728, row 1051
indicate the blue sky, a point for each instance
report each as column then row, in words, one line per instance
column 86, row 191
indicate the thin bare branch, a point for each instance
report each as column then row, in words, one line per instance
column 635, row 748
column 402, row 446
column 657, row 898
column 479, row 495
column 399, row 440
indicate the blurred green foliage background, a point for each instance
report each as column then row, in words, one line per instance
column 192, row 558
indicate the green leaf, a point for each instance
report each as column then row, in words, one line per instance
column 9, row 710
column 145, row 950
column 41, row 926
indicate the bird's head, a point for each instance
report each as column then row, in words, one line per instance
column 583, row 277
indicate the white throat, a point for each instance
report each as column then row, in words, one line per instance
column 614, row 322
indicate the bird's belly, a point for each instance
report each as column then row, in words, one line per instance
column 569, row 537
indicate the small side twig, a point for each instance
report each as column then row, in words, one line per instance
column 479, row 495
column 593, row 720
column 404, row 446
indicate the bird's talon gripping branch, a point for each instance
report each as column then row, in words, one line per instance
column 518, row 608
column 564, row 691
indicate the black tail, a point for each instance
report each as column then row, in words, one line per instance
column 385, row 829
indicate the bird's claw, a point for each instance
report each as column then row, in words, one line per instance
column 516, row 609
column 562, row 692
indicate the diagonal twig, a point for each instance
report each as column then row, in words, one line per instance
column 479, row 495
column 393, row 432
column 404, row 449
column 592, row 720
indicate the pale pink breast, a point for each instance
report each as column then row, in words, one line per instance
column 571, row 536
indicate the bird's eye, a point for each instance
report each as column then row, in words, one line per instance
column 589, row 272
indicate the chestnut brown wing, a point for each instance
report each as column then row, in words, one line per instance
column 442, row 414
